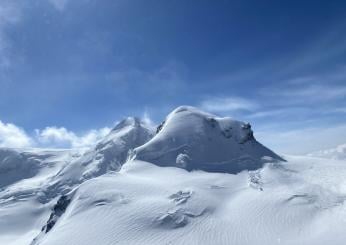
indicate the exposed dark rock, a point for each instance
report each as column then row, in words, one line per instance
column 227, row 132
column 212, row 122
column 58, row 210
column 158, row 129
column 249, row 135
column 181, row 197
column 246, row 126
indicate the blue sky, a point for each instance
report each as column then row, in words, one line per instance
column 79, row 66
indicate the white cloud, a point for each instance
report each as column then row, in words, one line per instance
column 301, row 141
column 61, row 137
column 9, row 15
column 227, row 104
column 306, row 93
column 316, row 92
column 338, row 152
column 59, row 4
column 268, row 113
column 13, row 136
column 318, row 88
column 340, row 110
column 147, row 119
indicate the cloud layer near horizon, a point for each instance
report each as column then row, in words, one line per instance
column 338, row 152
column 13, row 136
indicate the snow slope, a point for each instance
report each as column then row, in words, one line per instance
column 16, row 165
column 301, row 201
column 23, row 204
column 31, row 181
column 192, row 139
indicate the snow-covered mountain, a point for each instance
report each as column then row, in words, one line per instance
column 192, row 139
column 108, row 155
column 199, row 179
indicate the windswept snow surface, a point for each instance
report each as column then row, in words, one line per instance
column 192, row 139
column 301, row 201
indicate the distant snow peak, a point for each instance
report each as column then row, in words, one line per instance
column 126, row 122
column 111, row 152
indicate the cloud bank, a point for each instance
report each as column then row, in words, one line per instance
column 13, row 136
column 338, row 152
column 61, row 137
column 303, row 140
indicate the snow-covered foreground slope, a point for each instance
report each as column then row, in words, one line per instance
column 301, row 201
column 192, row 139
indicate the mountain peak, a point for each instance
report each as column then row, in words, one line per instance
column 128, row 121
column 109, row 154
column 193, row 139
